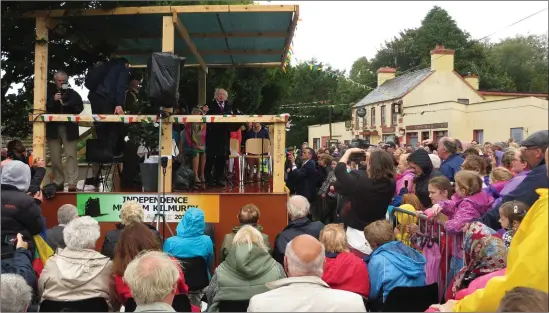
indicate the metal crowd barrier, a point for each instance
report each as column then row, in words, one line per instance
column 418, row 232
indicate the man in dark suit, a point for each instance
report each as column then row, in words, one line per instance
column 304, row 177
column 217, row 139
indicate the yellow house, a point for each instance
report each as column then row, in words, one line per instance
column 437, row 101
column 319, row 135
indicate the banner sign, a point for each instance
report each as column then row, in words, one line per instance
column 106, row 207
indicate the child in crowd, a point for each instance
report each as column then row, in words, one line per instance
column 391, row 264
column 407, row 224
column 511, row 214
column 195, row 137
column 498, row 179
column 440, row 189
column 524, row 299
column 406, row 174
column 477, row 164
column 467, row 204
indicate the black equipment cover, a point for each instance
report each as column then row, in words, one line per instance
column 163, row 72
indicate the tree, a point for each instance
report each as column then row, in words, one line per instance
column 523, row 60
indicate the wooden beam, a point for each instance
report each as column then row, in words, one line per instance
column 165, row 181
column 279, row 141
column 291, row 31
column 266, row 64
column 162, row 10
column 178, row 119
column 201, row 87
column 40, row 87
column 196, row 35
column 206, row 52
column 184, row 34
column 240, row 35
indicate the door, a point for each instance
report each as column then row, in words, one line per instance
column 424, row 135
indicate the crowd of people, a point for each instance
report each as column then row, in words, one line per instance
column 342, row 250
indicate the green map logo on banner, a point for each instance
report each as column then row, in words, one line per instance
column 106, row 207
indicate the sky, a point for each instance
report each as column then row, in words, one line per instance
column 339, row 32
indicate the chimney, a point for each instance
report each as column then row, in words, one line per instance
column 472, row 80
column 442, row 59
column 384, row 74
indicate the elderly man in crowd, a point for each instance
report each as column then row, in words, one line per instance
column 304, row 290
column 16, row 294
column 152, row 278
column 298, row 209
column 447, row 150
column 77, row 272
column 54, row 235
column 532, row 149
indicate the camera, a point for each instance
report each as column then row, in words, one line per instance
column 64, row 88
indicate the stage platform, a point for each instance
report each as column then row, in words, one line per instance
column 220, row 205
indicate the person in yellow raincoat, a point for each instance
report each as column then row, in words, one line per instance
column 526, row 261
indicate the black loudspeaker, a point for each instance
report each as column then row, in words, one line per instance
column 163, row 72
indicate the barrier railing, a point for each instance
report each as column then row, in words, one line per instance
column 278, row 134
column 428, row 236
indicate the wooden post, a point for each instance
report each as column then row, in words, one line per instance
column 40, row 87
column 279, row 141
column 166, row 143
column 201, row 86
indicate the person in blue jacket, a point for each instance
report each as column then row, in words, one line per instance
column 391, row 264
column 190, row 240
column 447, row 150
column 21, row 263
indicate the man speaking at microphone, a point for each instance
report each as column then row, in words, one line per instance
column 217, row 139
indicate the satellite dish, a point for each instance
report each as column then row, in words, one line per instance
column 361, row 112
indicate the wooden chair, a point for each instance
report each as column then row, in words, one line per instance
column 258, row 148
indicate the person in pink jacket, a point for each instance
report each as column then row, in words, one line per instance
column 407, row 174
column 467, row 204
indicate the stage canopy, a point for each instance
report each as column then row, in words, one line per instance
column 208, row 35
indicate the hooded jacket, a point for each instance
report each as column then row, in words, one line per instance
column 510, row 185
column 20, row 213
column 526, row 261
column 461, row 211
column 228, row 241
column 395, row 265
column 71, row 275
column 243, row 275
column 406, row 176
column 346, row 271
column 422, row 159
column 190, row 240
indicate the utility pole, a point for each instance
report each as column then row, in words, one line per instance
column 330, row 108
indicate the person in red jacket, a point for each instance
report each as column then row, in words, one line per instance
column 134, row 239
column 343, row 270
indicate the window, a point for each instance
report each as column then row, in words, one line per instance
column 394, row 116
column 463, row 101
column 316, row 143
column 411, row 139
column 387, row 138
column 373, row 117
column 517, row 134
column 383, row 115
column 439, row 134
column 478, row 135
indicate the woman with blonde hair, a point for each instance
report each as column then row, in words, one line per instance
column 245, row 271
column 131, row 212
column 343, row 270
